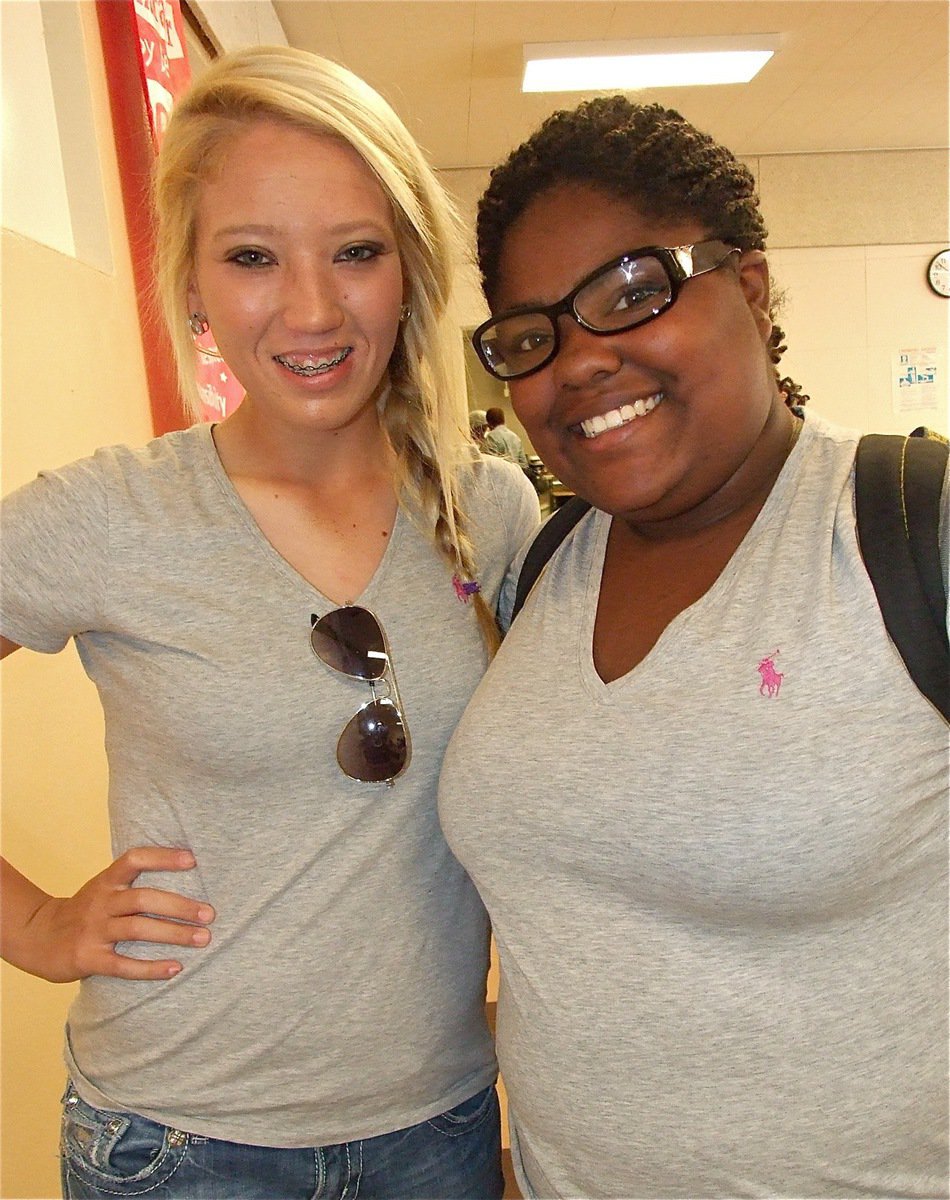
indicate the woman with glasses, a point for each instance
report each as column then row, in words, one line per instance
column 719, row 890
column 283, row 971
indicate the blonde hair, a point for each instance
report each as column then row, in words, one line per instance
column 424, row 411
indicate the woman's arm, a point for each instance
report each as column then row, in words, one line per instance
column 65, row 938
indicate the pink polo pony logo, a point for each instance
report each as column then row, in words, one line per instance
column 771, row 679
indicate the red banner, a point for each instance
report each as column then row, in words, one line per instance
column 165, row 76
column 165, row 72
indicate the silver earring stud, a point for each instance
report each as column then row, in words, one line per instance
column 405, row 313
column 198, row 324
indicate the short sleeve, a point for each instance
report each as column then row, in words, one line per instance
column 54, row 558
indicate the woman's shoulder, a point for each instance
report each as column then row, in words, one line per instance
column 116, row 476
column 820, row 431
column 499, row 502
column 823, row 458
column 170, row 452
column 492, row 476
column 121, row 460
column 490, row 482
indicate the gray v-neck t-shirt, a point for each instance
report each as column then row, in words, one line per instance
column 718, row 884
column 343, row 992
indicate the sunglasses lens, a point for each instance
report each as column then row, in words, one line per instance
column 373, row 746
column 350, row 640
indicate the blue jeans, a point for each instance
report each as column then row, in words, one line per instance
column 455, row 1156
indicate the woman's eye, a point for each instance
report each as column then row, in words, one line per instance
column 513, row 343
column 533, row 340
column 251, row 258
column 359, row 253
column 636, row 297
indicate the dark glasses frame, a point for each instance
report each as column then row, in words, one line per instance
column 374, row 746
column 680, row 263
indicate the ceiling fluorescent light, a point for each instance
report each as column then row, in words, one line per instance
column 630, row 66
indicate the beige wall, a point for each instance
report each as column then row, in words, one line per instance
column 72, row 380
column 852, row 235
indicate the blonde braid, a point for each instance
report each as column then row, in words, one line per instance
column 426, row 479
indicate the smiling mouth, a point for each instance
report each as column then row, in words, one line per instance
column 311, row 364
column 594, row 426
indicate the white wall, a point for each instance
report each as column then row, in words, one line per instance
column 850, row 311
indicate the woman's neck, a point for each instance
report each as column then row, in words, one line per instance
column 358, row 455
column 738, row 501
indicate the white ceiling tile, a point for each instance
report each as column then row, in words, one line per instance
column 850, row 74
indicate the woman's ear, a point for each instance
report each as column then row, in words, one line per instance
column 757, row 289
column 194, row 297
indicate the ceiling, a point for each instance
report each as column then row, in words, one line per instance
column 849, row 74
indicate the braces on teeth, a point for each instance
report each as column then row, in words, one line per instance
column 312, row 368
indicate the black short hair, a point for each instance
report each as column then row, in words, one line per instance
column 643, row 153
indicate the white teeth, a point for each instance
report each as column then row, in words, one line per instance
column 309, row 364
column 594, row 426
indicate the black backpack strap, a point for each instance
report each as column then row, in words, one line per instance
column 898, row 483
column 549, row 537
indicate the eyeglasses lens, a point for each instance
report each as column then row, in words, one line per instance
column 518, row 344
column 621, row 296
column 625, row 295
column 350, row 641
column 373, row 747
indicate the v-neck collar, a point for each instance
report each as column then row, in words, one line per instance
column 267, row 550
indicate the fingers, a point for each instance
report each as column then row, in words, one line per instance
column 128, row 866
column 159, row 903
column 142, row 914
column 123, row 966
column 127, row 900
column 142, row 928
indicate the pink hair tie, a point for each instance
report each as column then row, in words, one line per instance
column 465, row 588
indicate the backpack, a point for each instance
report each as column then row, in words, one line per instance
column 897, row 485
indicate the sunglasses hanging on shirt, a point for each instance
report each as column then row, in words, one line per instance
column 374, row 746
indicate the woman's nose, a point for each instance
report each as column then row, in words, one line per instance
column 312, row 300
column 584, row 357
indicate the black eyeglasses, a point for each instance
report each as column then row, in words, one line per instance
column 629, row 290
column 374, row 746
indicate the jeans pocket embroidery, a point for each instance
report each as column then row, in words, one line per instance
column 468, row 1115
column 118, row 1151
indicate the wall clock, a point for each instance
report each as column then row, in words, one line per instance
column 938, row 273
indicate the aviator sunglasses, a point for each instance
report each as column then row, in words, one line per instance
column 627, row 291
column 374, row 745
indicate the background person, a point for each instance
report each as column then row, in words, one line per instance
column 720, row 907
column 478, row 426
column 283, row 971
column 501, row 440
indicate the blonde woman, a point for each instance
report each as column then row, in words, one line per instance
column 285, row 613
